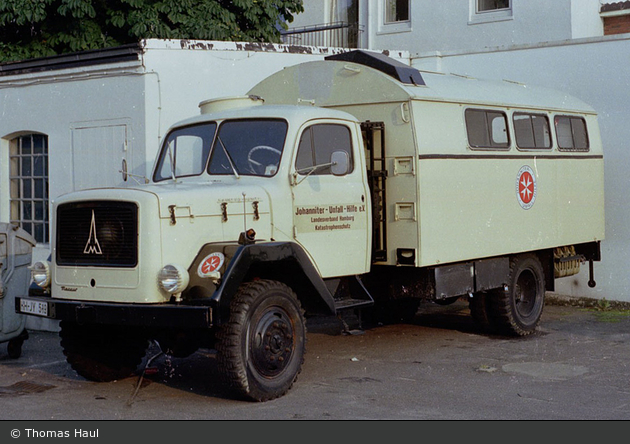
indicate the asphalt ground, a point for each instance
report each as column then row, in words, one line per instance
column 439, row 367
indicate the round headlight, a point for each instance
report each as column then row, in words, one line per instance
column 173, row 278
column 40, row 272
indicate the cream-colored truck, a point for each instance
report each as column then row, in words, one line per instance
column 348, row 183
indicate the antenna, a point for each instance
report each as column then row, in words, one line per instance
column 244, row 214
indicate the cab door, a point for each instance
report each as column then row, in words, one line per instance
column 330, row 207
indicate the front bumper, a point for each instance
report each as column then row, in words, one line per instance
column 162, row 315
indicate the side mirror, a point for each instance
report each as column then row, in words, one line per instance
column 339, row 162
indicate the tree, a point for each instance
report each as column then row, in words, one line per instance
column 38, row 28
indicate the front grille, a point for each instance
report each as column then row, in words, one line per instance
column 97, row 233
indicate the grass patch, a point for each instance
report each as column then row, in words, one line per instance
column 612, row 315
column 607, row 311
column 604, row 310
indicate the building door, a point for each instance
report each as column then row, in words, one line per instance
column 100, row 154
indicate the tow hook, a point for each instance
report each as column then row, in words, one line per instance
column 591, row 280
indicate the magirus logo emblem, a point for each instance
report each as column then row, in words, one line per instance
column 92, row 246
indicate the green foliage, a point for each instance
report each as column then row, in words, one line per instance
column 610, row 311
column 603, row 305
column 38, row 28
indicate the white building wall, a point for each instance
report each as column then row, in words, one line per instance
column 596, row 71
column 585, row 19
column 455, row 25
column 315, row 12
column 59, row 105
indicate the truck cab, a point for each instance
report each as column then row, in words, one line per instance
column 240, row 193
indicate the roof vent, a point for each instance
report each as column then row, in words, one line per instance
column 381, row 62
column 223, row 103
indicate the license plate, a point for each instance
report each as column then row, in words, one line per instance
column 34, row 307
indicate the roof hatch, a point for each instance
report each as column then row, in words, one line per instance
column 381, row 62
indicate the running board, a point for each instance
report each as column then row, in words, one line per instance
column 344, row 304
column 356, row 297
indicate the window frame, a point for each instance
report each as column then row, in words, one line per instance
column 324, row 171
column 531, row 115
column 498, row 147
column 207, row 164
column 391, row 27
column 386, row 7
column 478, row 9
column 479, row 16
column 38, row 198
column 162, row 157
column 572, row 118
column 216, row 142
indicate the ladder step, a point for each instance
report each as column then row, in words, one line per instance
column 343, row 304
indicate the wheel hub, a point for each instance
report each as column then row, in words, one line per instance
column 525, row 293
column 273, row 344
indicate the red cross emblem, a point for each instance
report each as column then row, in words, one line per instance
column 210, row 264
column 526, row 187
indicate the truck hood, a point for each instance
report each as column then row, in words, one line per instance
column 210, row 199
column 187, row 199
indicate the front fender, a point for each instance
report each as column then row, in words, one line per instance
column 283, row 261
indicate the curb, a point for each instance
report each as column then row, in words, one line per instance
column 575, row 301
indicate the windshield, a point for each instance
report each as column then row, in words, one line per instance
column 250, row 147
column 185, row 152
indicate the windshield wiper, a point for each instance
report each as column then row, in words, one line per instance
column 229, row 158
column 172, row 158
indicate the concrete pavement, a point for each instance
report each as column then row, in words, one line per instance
column 575, row 367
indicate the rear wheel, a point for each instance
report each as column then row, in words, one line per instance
column 517, row 310
column 102, row 353
column 260, row 350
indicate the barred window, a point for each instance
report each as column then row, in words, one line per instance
column 28, row 176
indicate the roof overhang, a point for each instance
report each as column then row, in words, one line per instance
column 119, row 54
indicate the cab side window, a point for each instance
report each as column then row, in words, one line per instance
column 317, row 144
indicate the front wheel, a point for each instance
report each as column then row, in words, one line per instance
column 260, row 350
column 102, row 353
column 14, row 348
column 517, row 310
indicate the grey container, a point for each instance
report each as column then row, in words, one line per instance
column 16, row 249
